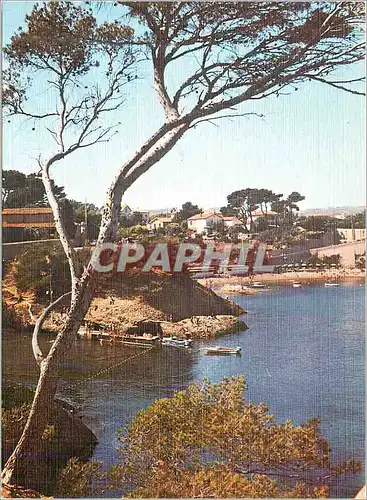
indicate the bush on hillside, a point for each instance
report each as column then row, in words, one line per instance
column 43, row 270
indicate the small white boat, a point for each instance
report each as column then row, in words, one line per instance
column 296, row 284
column 331, row 284
column 223, row 350
column 258, row 284
column 175, row 342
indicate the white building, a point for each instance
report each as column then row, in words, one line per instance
column 203, row 222
column 349, row 235
column 159, row 222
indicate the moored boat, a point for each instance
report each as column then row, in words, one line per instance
column 175, row 342
column 258, row 284
column 223, row 350
column 331, row 284
column 296, row 284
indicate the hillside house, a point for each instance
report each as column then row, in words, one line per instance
column 202, row 223
column 159, row 222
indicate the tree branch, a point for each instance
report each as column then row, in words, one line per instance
column 335, row 85
column 149, row 154
column 37, row 352
column 225, row 116
column 21, row 112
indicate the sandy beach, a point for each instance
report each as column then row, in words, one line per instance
column 287, row 278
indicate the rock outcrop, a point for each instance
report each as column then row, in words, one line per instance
column 68, row 437
column 203, row 327
column 180, row 303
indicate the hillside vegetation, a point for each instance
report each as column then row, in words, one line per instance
column 123, row 300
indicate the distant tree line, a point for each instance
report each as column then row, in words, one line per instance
column 277, row 222
column 245, row 202
column 21, row 190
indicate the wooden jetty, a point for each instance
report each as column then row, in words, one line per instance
column 144, row 340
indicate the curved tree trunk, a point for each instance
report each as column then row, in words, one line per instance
column 26, row 455
column 21, row 466
column 18, row 468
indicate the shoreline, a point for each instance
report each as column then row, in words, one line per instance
column 285, row 278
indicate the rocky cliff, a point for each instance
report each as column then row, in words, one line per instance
column 182, row 305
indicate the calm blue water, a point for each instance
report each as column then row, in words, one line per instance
column 303, row 355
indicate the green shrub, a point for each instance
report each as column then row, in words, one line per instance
column 76, row 478
column 42, row 269
column 13, row 421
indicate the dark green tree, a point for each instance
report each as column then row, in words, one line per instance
column 292, row 204
column 359, row 220
column 187, row 210
column 332, row 260
column 135, row 219
column 360, row 261
column 175, row 229
column 265, row 198
column 243, row 203
column 25, row 191
column 234, row 232
column 68, row 215
column 12, row 180
column 89, row 213
column 228, row 211
column 280, row 207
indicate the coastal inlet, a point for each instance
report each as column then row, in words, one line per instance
column 303, row 355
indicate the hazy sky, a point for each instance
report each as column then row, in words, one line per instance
column 311, row 141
